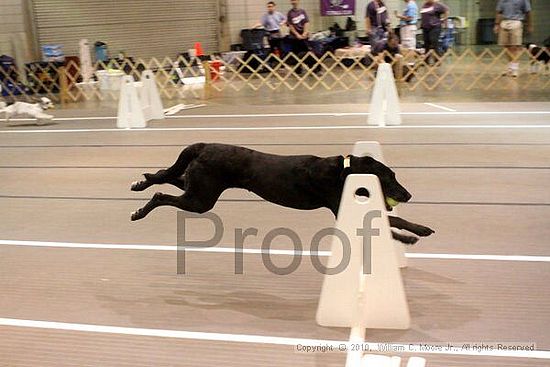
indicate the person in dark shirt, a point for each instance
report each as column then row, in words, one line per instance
column 376, row 21
column 434, row 17
column 387, row 49
column 298, row 24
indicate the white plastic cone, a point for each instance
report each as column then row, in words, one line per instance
column 151, row 101
column 384, row 105
column 130, row 112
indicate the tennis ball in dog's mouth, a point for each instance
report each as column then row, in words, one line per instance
column 391, row 202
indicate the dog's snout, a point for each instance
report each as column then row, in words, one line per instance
column 403, row 196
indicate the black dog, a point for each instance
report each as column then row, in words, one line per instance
column 204, row 171
column 540, row 54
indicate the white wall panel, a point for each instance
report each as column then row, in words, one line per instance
column 141, row 28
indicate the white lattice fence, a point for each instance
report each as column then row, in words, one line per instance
column 467, row 70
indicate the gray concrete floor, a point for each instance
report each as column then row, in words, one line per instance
column 484, row 190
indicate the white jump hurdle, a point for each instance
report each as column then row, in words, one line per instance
column 351, row 298
column 354, row 299
column 139, row 102
column 384, row 105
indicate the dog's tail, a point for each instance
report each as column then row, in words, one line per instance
column 179, row 167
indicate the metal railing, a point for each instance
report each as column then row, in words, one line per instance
column 183, row 78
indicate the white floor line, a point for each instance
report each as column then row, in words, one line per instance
column 76, row 118
column 259, row 339
column 274, row 128
column 417, row 255
column 448, row 111
column 527, row 258
column 440, row 107
column 344, row 114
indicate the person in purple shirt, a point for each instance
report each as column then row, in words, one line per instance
column 434, row 16
column 298, row 24
column 376, row 21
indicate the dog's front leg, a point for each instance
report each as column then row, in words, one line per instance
column 40, row 116
column 417, row 229
column 407, row 240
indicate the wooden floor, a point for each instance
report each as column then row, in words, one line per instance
column 480, row 180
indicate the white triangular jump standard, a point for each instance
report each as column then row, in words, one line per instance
column 136, row 108
column 384, row 105
column 150, row 98
column 130, row 112
column 351, row 298
column 374, row 150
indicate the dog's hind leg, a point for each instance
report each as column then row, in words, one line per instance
column 179, row 182
column 150, row 180
column 188, row 202
column 173, row 173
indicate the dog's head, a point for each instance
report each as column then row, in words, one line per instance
column 391, row 188
column 45, row 103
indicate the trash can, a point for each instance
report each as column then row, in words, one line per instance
column 215, row 67
column 253, row 39
column 101, row 51
column 485, row 33
column 109, row 79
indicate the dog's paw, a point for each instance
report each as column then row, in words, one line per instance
column 139, row 185
column 137, row 215
column 424, row 231
column 408, row 240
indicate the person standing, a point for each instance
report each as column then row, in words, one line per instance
column 408, row 20
column 377, row 22
column 272, row 21
column 298, row 25
column 298, row 21
column 509, row 28
column 434, row 16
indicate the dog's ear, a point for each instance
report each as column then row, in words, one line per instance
column 33, row 99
